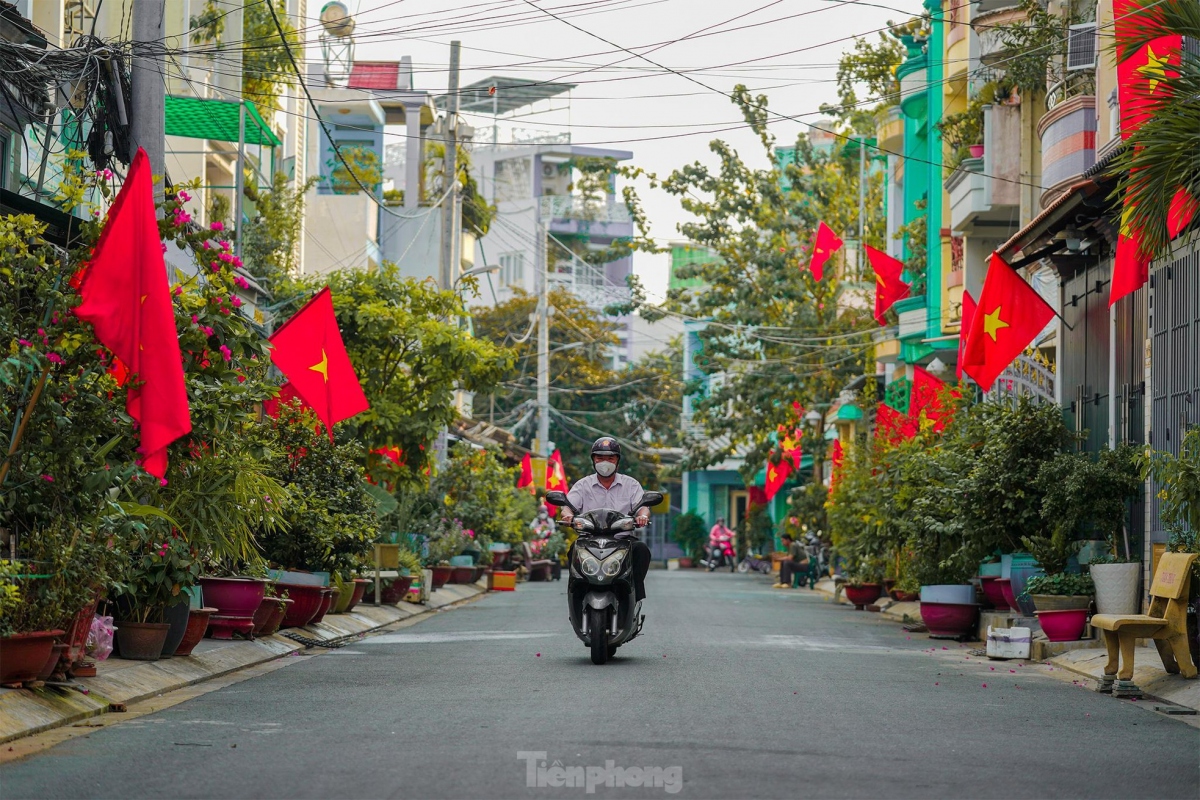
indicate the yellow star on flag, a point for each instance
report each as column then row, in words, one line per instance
column 771, row 474
column 992, row 323
column 322, row 366
column 1154, row 68
column 1126, row 220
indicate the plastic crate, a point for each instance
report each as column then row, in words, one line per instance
column 502, row 581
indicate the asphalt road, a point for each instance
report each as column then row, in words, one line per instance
column 733, row 691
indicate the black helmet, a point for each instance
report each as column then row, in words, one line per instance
column 606, row 446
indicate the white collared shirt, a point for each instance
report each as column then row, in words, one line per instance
column 622, row 495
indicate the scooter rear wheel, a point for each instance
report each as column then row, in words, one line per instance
column 597, row 630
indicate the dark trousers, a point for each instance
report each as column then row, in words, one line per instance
column 787, row 569
column 641, row 565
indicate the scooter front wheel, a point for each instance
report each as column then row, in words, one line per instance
column 597, row 630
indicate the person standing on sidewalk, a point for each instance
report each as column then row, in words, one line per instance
column 796, row 563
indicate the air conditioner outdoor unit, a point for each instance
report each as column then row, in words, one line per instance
column 549, row 170
column 1081, row 47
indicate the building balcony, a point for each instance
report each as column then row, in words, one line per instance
column 914, row 317
column 1068, row 134
column 991, row 48
column 889, row 132
column 984, row 191
column 571, row 215
column 914, row 82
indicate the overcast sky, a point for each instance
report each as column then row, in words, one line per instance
column 786, row 48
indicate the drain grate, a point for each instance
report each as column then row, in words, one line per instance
column 916, row 627
column 308, row 641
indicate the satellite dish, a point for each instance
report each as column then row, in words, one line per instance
column 336, row 19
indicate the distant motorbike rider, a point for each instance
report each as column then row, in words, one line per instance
column 607, row 488
column 541, row 529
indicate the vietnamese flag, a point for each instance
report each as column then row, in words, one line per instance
column 926, row 398
column 287, row 393
column 824, row 247
column 892, row 426
column 1181, row 213
column 127, row 299
column 556, row 478
column 888, row 286
column 790, row 444
column 839, row 455
column 1131, row 264
column 1009, row 315
column 526, row 479
column 1142, row 74
column 968, row 313
column 308, row 349
column 777, row 475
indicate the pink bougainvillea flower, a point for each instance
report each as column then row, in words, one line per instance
column 206, row 245
column 164, row 247
column 236, row 301
column 184, row 197
column 226, row 257
column 241, row 378
column 217, row 226
column 48, row 478
column 241, row 282
column 54, row 358
column 225, row 311
column 226, row 353
column 179, row 291
column 162, row 481
column 195, row 319
column 208, row 331
column 25, row 342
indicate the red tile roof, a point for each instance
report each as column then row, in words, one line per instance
column 374, row 75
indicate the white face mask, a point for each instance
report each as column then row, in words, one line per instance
column 605, row 468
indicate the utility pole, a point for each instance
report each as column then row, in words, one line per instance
column 543, row 343
column 862, row 201
column 148, row 112
column 450, row 212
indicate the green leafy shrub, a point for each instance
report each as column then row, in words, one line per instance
column 690, row 534
column 1066, row 584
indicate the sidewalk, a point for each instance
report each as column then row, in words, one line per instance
column 118, row 682
column 1089, row 662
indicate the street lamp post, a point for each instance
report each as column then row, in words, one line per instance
column 486, row 269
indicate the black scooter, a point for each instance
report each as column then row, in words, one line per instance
column 600, row 585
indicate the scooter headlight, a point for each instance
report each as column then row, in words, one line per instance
column 589, row 565
column 624, row 525
column 612, row 565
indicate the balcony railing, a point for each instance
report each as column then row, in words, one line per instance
column 1082, row 82
column 583, row 209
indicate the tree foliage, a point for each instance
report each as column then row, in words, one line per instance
column 776, row 335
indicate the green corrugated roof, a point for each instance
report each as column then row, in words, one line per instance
column 205, row 118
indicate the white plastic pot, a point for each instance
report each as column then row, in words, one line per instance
column 1118, row 588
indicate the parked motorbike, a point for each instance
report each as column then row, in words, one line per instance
column 756, row 564
column 600, row 585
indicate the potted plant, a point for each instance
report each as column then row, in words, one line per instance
column 1178, row 479
column 1063, row 600
column 1092, row 495
column 159, row 565
column 689, row 533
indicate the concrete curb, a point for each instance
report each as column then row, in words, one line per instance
column 24, row 712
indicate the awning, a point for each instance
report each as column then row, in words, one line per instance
column 210, row 118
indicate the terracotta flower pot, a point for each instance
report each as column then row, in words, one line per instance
column 196, row 626
column 861, row 596
column 335, row 599
column 177, row 617
column 1059, row 602
column 23, row 655
column 1065, row 625
column 993, row 590
column 685, row 563
column 306, row 602
column 397, row 590
column 141, row 641
column 234, row 597
column 463, row 575
column 56, row 651
column 323, row 608
column 441, row 575
column 904, row 597
column 266, row 611
column 360, row 589
column 949, row 619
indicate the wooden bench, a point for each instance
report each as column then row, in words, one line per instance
column 1166, row 624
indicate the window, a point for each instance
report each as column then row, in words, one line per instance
column 512, row 269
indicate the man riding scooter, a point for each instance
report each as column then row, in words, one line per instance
column 609, row 489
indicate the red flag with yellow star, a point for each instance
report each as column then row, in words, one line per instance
column 556, row 478
column 126, row 297
column 826, row 245
column 777, row 475
column 525, row 481
column 968, row 313
column 888, row 286
column 1131, row 263
column 308, row 349
column 1142, row 74
column 1009, row 315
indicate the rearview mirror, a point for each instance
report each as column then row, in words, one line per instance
column 557, row 498
column 651, row 499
